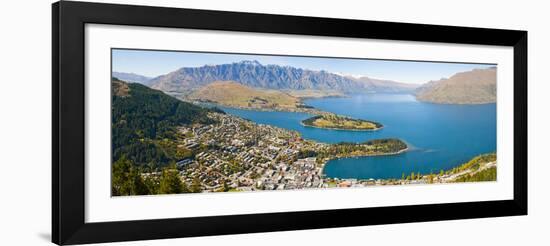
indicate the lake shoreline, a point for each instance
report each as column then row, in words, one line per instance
column 465, row 172
column 426, row 125
column 312, row 111
column 362, row 156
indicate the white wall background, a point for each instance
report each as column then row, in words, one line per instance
column 25, row 98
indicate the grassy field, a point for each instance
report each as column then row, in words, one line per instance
column 233, row 94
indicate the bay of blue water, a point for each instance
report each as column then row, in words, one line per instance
column 439, row 136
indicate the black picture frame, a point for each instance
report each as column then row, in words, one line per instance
column 68, row 122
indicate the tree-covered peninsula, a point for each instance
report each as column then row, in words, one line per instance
column 337, row 122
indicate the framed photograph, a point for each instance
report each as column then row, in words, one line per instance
column 177, row 123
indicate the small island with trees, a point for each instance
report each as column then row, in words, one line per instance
column 338, row 122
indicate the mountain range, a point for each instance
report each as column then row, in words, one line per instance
column 477, row 86
column 255, row 75
column 131, row 77
column 471, row 87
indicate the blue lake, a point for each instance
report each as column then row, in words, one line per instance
column 439, row 136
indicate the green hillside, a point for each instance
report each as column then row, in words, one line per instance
column 143, row 121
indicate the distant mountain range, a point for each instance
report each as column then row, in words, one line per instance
column 131, row 77
column 255, row 75
column 386, row 86
column 472, row 87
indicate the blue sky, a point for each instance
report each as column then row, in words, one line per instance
column 155, row 63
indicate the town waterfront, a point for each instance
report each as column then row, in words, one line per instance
column 439, row 136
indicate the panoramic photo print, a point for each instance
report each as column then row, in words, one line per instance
column 196, row 122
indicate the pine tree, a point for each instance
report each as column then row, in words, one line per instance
column 170, row 182
column 126, row 179
column 196, row 185
column 226, row 187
